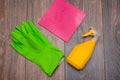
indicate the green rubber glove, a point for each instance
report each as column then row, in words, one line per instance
column 33, row 45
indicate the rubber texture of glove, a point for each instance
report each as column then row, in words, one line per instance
column 33, row 45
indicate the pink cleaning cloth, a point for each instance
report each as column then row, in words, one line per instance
column 62, row 19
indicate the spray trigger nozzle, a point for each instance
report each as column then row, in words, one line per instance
column 91, row 32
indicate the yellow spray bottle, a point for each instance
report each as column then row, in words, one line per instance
column 81, row 53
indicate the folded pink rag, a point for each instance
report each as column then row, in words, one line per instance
column 62, row 19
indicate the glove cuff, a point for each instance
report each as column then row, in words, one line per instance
column 50, row 59
column 55, row 64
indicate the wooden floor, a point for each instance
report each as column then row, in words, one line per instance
column 104, row 15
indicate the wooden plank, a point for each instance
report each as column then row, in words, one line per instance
column 2, row 36
column 94, row 70
column 111, row 24
column 36, row 9
column 13, row 64
column 104, row 64
column 71, row 73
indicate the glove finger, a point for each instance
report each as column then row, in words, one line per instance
column 23, row 30
column 25, row 51
column 27, row 39
column 34, row 42
column 19, row 28
column 27, row 27
column 18, row 37
column 33, row 26
column 35, row 29
column 38, row 34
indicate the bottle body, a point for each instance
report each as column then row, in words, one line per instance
column 81, row 53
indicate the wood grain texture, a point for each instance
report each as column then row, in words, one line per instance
column 71, row 73
column 94, row 69
column 111, row 24
column 12, row 65
column 2, row 36
column 104, row 64
column 36, row 10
